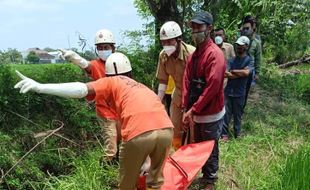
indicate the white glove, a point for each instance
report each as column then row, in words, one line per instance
column 161, row 91
column 145, row 168
column 27, row 84
column 67, row 90
column 74, row 58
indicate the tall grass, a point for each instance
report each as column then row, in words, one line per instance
column 296, row 172
column 88, row 175
column 272, row 129
column 273, row 152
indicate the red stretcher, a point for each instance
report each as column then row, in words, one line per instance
column 182, row 167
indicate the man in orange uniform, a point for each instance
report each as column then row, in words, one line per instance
column 146, row 129
column 104, row 42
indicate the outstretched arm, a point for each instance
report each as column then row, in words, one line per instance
column 75, row 58
column 67, row 90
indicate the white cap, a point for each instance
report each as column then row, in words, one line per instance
column 170, row 30
column 243, row 40
column 104, row 36
column 117, row 63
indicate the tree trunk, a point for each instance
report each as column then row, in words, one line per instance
column 163, row 11
column 304, row 59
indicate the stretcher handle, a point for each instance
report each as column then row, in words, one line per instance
column 175, row 163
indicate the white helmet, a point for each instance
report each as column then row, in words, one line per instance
column 170, row 30
column 104, row 36
column 117, row 63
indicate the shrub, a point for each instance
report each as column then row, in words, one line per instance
column 24, row 115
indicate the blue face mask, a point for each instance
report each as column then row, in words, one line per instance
column 104, row 54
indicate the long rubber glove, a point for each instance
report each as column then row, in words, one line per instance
column 74, row 58
column 161, row 91
column 67, row 90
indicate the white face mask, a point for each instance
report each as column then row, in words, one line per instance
column 169, row 50
column 104, row 54
column 218, row 40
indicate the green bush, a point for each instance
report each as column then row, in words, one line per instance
column 286, row 86
column 24, row 115
column 303, row 86
column 22, row 108
column 293, row 45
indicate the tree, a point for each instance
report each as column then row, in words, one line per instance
column 272, row 16
column 3, row 57
column 162, row 11
column 48, row 49
column 88, row 55
column 10, row 56
column 32, row 57
column 179, row 11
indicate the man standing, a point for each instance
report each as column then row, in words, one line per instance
column 105, row 46
column 255, row 51
column 203, row 96
column 239, row 69
column 249, row 18
column 227, row 48
column 172, row 61
column 146, row 129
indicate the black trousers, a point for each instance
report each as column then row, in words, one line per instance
column 210, row 131
column 167, row 100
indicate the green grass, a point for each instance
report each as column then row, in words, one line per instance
column 296, row 172
column 272, row 153
column 88, row 175
column 273, row 129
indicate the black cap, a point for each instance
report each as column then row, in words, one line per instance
column 202, row 18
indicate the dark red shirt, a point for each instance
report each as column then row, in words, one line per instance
column 210, row 65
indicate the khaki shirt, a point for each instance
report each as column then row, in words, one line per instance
column 228, row 51
column 168, row 65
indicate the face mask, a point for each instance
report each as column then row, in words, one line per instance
column 169, row 49
column 247, row 32
column 199, row 37
column 104, row 54
column 218, row 40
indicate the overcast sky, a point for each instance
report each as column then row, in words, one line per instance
column 55, row 23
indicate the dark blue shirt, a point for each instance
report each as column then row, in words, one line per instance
column 237, row 87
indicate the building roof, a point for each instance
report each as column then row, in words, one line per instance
column 40, row 53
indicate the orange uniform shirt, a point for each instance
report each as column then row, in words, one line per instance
column 138, row 108
column 97, row 71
